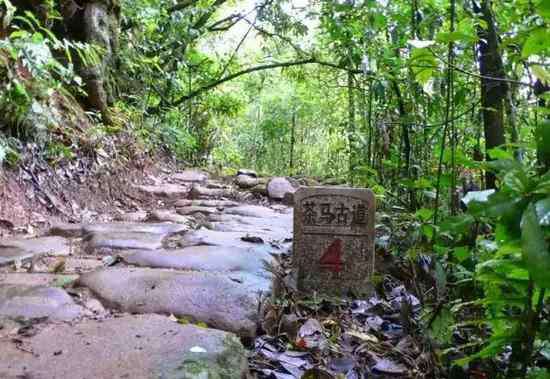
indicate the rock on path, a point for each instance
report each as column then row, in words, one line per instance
column 131, row 347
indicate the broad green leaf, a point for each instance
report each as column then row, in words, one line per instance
column 543, row 8
column 425, row 214
column 535, row 248
column 457, row 224
column 461, row 253
column 537, row 43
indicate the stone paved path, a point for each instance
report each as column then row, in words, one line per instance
column 164, row 293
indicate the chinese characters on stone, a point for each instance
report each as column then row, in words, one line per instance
column 323, row 214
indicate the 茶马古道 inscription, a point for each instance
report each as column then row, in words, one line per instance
column 333, row 249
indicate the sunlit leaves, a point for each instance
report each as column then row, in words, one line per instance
column 537, row 42
column 535, row 248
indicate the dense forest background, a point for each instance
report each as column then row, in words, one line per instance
column 421, row 100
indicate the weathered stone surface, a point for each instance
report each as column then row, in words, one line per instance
column 245, row 181
column 15, row 249
column 185, row 211
column 216, row 238
column 34, row 302
column 137, row 216
column 168, row 191
column 333, row 251
column 277, row 188
column 220, row 204
column 32, row 279
column 163, row 228
column 211, row 298
column 247, row 172
column 66, row 230
column 198, row 192
column 171, row 216
column 101, row 238
column 191, row 176
column 131, row 347
column 103, row 243
column 252, row 211
column 205, row 258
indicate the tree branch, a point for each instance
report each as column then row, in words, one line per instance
column 268, row 66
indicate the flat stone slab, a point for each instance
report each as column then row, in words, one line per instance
column 206, row 203
column 66, row 230
column 191, row 176
column 163, row 215
column 214, row 299
column 186, row 211
column 138, row 216
column 199, row 192
column 130, row 347
column 205, row 258
column 216, row 238
column 103, row 238
column 15, row 249
column 167, row 191
column 37, row 301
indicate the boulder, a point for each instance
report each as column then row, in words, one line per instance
column 247, row 172
column 136, row 347
column 277, row 188
column 245, row 181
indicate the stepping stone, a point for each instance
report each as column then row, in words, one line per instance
column 37, row 301
column 191, row 176
column 167, row 191
column 19, row 249
column 131, row 347
column 138, row 216
column 104, row 238
column 214, row 299
column 171, row 216
column 216, row 238
column 198, row 192
column 205, row 258
column 205, row 203
column 185, row 211
column 66, row 230
column 252, row 211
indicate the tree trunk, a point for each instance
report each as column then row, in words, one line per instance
column 493, row 92
column 351, row 126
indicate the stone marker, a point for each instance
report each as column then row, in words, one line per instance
column 333, row 248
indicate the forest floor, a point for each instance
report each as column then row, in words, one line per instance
column 177, row 286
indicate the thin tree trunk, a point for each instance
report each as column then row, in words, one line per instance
column 493, row 92
column 351, row 126
column 292, row 141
